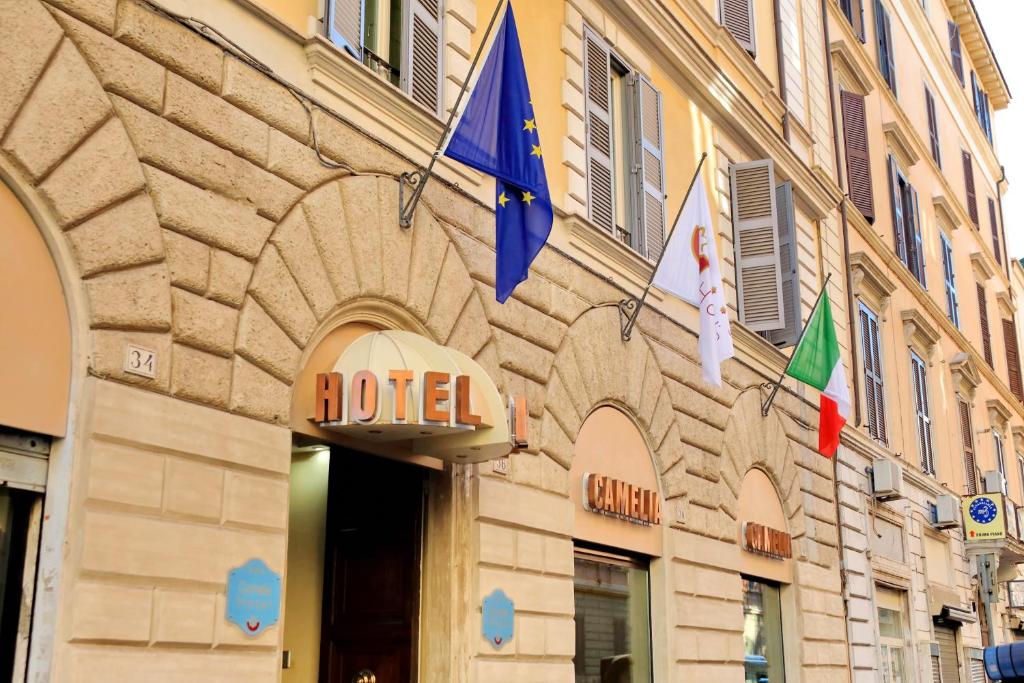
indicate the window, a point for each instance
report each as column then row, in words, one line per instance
column 933, row 126
column 613, row 632
column 967, row 440
column 972, row 200
column 995, row 231
column 883, row 33
column 955, row 51
column 919, row 375
column 737, row 16
column 892, row 636
column 763, row 660
column 854, row 11
column 873, row 387
column 1020, row 472
column 764, row 232
column 949, row 275
column 981, row 108
column 625, row 169
column 1013, row 375
column 906, row 219
column 986, row 337
column 858, row 159
column 400, row 40
column 997, row 438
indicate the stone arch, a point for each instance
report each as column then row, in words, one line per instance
column 753, row 441
column 339, row 247
column 595, row 367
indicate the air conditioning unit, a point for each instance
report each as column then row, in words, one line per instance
column 947, row 508
column 886, row 480
column 993, row 481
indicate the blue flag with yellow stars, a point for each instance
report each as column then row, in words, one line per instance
column 497, row 135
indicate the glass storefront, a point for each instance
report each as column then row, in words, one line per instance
column 613, row 619
column 762, row 632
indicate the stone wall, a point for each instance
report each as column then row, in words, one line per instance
column 204, row 227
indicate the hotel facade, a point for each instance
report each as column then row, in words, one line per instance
column 254, row 428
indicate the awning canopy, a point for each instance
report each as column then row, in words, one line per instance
column 1005, row 662
column 399, row 386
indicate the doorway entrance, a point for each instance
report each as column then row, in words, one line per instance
column 373, row 541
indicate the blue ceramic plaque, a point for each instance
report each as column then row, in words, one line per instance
column 498, row 618
column 254, row 597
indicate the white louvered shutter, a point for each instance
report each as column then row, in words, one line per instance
column 343, row 22
column 651, row 185
column 754, row 222
column 789, row 266
column 737, row 17
column 896, row 201
column 597, row 91
column 924, row 421
column 421, row 68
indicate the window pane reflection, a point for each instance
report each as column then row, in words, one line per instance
column 762, row 633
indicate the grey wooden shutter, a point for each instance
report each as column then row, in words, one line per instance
column 1012, row 358
column 896, row 200
column 918, row 268
column 972, row 200
column 955, row 51
column 995, row 231
column 421, row 70
column 933, row 127
column 789, row 265
column 949, row 274
column 873, row 384
column 858, row 159
column 738, row 18
column 651, row 181
column 986, row 337
column 754, row 221
column 344, row 26
column 967, row 440
column 597, row 87
column 948, row 654
column 924, row 421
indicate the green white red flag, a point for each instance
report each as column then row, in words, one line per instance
column 816, row 361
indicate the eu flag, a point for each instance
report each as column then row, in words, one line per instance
column 497, row 135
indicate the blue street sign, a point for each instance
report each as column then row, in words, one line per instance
column 254, row 597
column 498, row 618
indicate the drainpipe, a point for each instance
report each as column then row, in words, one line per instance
column 781, row 68
column 852, row 326
column 1002, row 227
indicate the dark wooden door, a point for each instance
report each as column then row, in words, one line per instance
column 372, row 569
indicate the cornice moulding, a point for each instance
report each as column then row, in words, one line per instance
column 998, row 414
column 982, row 269
column 900, row 144
column 847, row 63
column 945, row 212
column 869, row 279
column 918, row 331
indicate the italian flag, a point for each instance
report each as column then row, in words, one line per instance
column 816, row 362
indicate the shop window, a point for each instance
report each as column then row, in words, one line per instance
column 892, row 636
column 762, row 632
column 400, row 40
column 625, row 169
column 613, row 619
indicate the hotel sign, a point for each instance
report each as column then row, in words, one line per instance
column 766, row 541
column 614, row 498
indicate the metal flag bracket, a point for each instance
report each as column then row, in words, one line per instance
column 417, row 180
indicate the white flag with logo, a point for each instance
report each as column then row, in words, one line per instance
column 689, row 270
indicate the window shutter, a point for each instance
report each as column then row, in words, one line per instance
column 933, row 127
column 738, row 19
column 858, row 159
column 972, row 201
column 754, row 221
column 995, row 231
column 918, row 268
column 651, row 209
column 924, row 426
column 343, row 21
column 597, row 87
column 954, row 51
column 899, row 232
column 976, row 94
column 890, row 56
column 788, row 335
column 1013, row 358
column 873, row 387
column 986, row 339
column 421, row 72
column 949, row 274
column 967, row 439
column 857, row 18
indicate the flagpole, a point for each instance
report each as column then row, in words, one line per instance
column 418, row 178
column 778, row 384
column 629, row 309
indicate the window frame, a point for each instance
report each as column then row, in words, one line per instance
column 873, row 379
column 886, row 643
column 932, row 117
column 883, row 38
column 949, row 278
column 922, row 410
column 776, row 589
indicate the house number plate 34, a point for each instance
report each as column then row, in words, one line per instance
column 140, row 361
